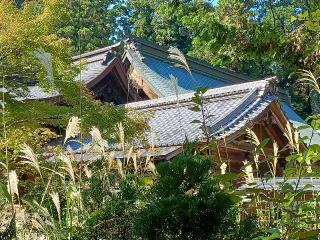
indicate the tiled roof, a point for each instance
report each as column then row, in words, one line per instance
column 155, row 81
column 93, row 68
column 297, row 121
column 91, row 71
column 313, row 183
column 152, row 54
column 153, row 64
column 230, row 109
column 156, row 71
column 154, row 67
column 95, row 64
column 36, row 92
column 151, row 61
column 161, row 153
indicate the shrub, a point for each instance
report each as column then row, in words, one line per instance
column 186, row 202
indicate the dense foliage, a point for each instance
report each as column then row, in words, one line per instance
column 103, row 199
column 186, row 198
column 186, row 202
column 259, row 38
column 33, row 53
column 89, row 24
column 54, row 193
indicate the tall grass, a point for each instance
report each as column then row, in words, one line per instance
column 290, row 208
column 60, row 208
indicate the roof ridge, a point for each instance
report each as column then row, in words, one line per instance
column 97, row 51
column 264, row 85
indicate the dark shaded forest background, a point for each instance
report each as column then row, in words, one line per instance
column 258, row 37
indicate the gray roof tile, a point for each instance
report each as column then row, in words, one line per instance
column 231, row 108
column 278, row 182
column 157, row 74
column 93, row 69
column 153, row 65
column 156, row 71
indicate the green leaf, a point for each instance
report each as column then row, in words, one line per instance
column 4, row 165
column 287, row 187
column 302, row 127
column 227, row 177
column 303, row 15
column 290, row 172
column 210, row 116
column 295, row 157
column 288, row 197
column 315, row 123
column 5, row 192
column 146, row 180
column 197, row 100
column 195, row 109
column 275, row 234
column 236, row 198
column 299, row 195
column 201, row 89
column 196, row 121
column 262, row 144
column 308, row 186
column 305, row 234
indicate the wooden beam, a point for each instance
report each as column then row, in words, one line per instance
column 278, row 115
column 273, row 135
column 140, row 82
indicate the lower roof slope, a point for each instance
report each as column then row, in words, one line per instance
column 230, row 109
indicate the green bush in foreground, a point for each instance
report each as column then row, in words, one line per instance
column 186, row 202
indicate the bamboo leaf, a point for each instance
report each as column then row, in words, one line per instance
column 4, row 165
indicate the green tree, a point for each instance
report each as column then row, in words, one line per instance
column 113, row 218
column 158, row 22
column 25, row 34
column 33, row 54
column 186, row 202
column 89, row 24
column 257, row 38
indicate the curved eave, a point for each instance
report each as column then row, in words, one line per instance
column 254, row 118
column 114, row 64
